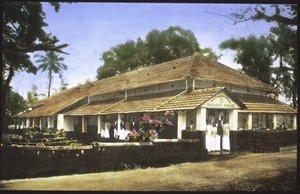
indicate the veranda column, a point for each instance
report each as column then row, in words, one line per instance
column 40, row 122
column 118, row 127
column 295, row 122
column 181, row 123
column 249, row 120
column 84, row 124
column 27, row 122
column 233, row 120
column 99, row 124
column 33, row 121
column 23, row 123
column 275, row 121
column 60, row 121
column 50, row 122
column 201, row 119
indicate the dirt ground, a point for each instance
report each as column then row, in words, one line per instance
column 232, row 172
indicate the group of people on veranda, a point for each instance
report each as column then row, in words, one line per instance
column 111, row 131
column 217, row 135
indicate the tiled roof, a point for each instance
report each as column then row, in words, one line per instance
column 265, row 104
column 169, row 101
column 60, row 101
column 196, row 66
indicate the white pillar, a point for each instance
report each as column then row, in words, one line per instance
column 233, row 120
column 40, row 123
column 84, row 124
column 181, row 123
column 33, row 121
column 23, row 123
column 50, row 122
column 249, row 120
column 275, row 121
column 201, row 119
column 99, row 124
column 27, row 122
column 295, row 122
column 118, row 127
column 60, row 121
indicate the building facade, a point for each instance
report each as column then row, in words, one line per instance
column 198, row 90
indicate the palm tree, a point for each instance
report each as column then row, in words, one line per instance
column 51, row 63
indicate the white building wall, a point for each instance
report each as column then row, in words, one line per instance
column 233, row 120
column 181, row 123
column 201, row 119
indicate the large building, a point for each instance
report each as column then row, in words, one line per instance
column 197, row 89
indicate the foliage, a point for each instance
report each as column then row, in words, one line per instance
column 33, row 96
column 22, row 33
column 281, row 14
column 51, row 63
column 158, row 46
column 150, row 128
column 61, row 133
column 282, row 45
column 14, row 106
column 253, row 54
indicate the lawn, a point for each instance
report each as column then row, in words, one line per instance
column 234, row 172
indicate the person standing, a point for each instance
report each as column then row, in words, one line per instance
column 220, row 132
column 208, row 137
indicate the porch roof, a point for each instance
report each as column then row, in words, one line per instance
column 265, row 104
column 184, row 100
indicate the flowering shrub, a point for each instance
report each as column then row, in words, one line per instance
column 149, row 128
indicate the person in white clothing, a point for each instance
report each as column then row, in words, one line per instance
column 107, row 128
column 226, row 141
column 208, row 137
column 214, row 142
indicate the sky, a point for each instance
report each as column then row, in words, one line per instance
column 93, row 28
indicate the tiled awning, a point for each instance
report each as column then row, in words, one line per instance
column 264, row 104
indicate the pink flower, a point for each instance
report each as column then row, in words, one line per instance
column 145, row 118
column 168, row 123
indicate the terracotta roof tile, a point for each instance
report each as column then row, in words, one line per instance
column 256, row 103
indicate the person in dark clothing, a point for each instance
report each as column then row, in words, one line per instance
column 220, row 132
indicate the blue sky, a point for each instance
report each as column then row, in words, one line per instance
column 93, row 28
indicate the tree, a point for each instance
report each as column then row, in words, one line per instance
column 158, row 47
column 32, row 95
column 253, row 54
column 281, row 14
column 51, row 63
column 23, row 33
column 284, row 43
column 284, row 46
column 15, row 105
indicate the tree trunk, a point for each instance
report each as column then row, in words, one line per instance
column 4, row 91
column 49, row 86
